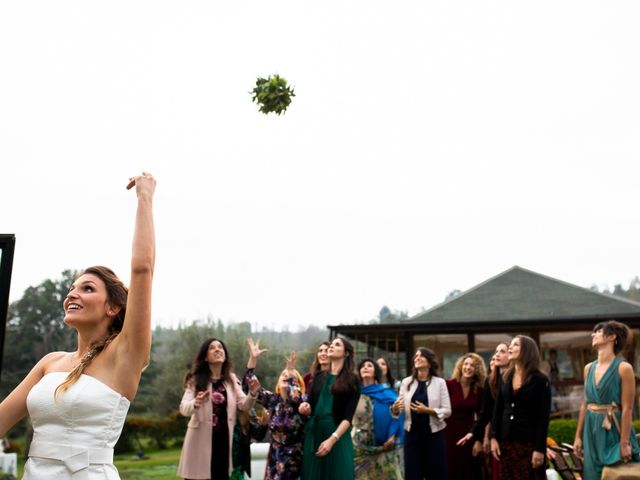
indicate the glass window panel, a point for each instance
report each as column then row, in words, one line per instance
column 448, row 348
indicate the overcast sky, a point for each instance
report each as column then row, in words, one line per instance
column 430, row 146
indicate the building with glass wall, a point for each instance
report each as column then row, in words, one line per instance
column 559, row 316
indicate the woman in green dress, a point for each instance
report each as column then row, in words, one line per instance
column 328, row 451
column 610, row 388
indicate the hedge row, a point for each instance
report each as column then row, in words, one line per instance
column 163, row 430
column 159, row 430
column 564, row 430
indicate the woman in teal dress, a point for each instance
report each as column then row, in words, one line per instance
column 328, row 450
column 609, row 380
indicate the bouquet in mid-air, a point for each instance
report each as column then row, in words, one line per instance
column 272, row 94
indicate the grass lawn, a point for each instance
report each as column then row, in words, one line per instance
column 161, row 465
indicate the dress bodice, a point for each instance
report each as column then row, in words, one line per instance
column 84, row 421
column 608, row 388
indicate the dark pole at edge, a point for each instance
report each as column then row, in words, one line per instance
column 7, row 246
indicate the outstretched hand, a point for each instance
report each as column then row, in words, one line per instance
column 291, row 361
column 254, row 348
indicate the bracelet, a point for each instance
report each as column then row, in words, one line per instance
column 335, row 435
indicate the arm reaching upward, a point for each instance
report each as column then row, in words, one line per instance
column 133, row 344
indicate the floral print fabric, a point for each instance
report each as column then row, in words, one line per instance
column 218, row 404
column 372, row 461
column 286, row 426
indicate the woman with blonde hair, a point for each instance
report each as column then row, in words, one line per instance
column 465, row 391
column 286, row 425
column 78, row 400
column 481, row 429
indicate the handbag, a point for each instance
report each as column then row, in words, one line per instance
column 621, row 470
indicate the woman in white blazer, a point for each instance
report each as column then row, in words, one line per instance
column 424, row 398
column 212, row 396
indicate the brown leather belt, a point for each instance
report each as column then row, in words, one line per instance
column 609, row 414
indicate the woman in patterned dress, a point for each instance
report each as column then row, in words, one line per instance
column 286, row 425
column 212, row 397
column 521, row 414
column 377, row 436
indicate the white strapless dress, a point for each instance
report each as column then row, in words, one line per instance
column 74, row 436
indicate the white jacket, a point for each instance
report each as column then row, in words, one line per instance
column 438, row 400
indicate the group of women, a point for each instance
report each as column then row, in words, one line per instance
column 338, row 422
column 343, row 422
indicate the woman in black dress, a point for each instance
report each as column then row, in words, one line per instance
column 521, row 414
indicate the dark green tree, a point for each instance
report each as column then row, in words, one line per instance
column 35, row 327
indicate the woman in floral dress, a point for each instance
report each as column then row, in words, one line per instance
column 377, row 445
column 286, row 425
column 212, row 398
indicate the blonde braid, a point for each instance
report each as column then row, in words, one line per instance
column 94, row 350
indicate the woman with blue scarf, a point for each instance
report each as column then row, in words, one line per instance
column 377, row 437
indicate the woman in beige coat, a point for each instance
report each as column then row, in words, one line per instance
column 212, row 397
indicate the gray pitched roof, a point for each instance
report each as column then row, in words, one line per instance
column 519, row 295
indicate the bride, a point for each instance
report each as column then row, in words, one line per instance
column 78, row 400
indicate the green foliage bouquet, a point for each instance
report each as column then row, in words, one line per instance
column 272, row 94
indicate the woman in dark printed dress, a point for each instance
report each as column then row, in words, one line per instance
column 521, row 414
column 286, row 425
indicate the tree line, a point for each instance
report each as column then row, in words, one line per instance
column 35, row 327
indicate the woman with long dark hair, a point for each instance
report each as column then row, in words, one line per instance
column 328, row 450
column 387, row 376
column 424, row 399
column 78, row 401
column 610, row 388
column 521, row 414
column 465, row 392
column 212, row 396
column 320, row 364
column 481, row 429
column 377, row 436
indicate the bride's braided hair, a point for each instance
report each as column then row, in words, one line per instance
column 117, row 297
